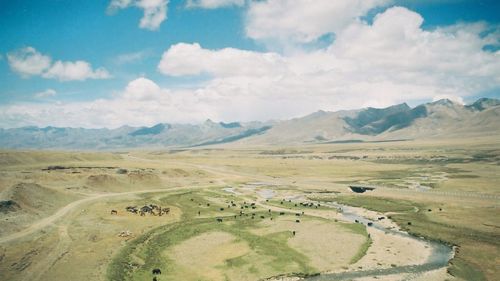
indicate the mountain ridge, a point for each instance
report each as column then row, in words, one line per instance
column 430, row 120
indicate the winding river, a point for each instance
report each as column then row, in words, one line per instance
column 441, row 254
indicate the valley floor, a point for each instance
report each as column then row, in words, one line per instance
column 239, row 213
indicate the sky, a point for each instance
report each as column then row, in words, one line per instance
column 96, row 64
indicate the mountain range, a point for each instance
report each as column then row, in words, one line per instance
column 439, row 119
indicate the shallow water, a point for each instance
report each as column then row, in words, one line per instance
column 441, row 253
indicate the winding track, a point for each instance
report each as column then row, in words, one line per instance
column 71, row 206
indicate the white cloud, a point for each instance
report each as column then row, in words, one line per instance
column 155, row 11
column 213, row 4
column 390, row 61
column 29, row 62
column 78, row 70
column 143, row 89
column 142, row 102
column 303, row 21
column 191, row 59
column 45, row 94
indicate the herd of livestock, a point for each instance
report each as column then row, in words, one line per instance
column 151, row 209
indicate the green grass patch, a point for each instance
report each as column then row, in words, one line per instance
column 362, row 251
column 377, row 204
column 360, row 229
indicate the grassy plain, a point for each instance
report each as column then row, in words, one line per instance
column 58, row 224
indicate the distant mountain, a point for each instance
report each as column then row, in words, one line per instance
column 440, row 119
column 160, row 135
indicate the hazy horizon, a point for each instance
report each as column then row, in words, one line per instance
column 460, row 102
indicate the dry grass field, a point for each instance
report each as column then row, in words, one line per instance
column 252, row 213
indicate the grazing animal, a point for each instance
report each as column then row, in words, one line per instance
column 199, row 213
column 297, row 214
column 293, row 232
column 370, row 223
column 146, row 209
column 282, row 213
column 262, row 217
column 222, row 209
column 132, row 209
column 156, row 271
column 114, row 212
column 409, row 223
column 297, row 220
column 219, row 219
column 356, row 221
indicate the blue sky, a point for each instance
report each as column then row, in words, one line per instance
column 119, row 56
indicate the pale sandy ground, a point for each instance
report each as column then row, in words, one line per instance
column 203, row 255
column 433, row 275
column 327, row 245
column 390, row 249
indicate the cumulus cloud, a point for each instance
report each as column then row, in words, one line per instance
column 46, row 94
column 143, row 89
column 78, row 70
column 191, row 59
column 155, row 11
column 29, row 62
column 213, row 4
column 303, row 21
column 141, row 102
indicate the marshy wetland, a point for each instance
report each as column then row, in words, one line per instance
column 260, row 213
